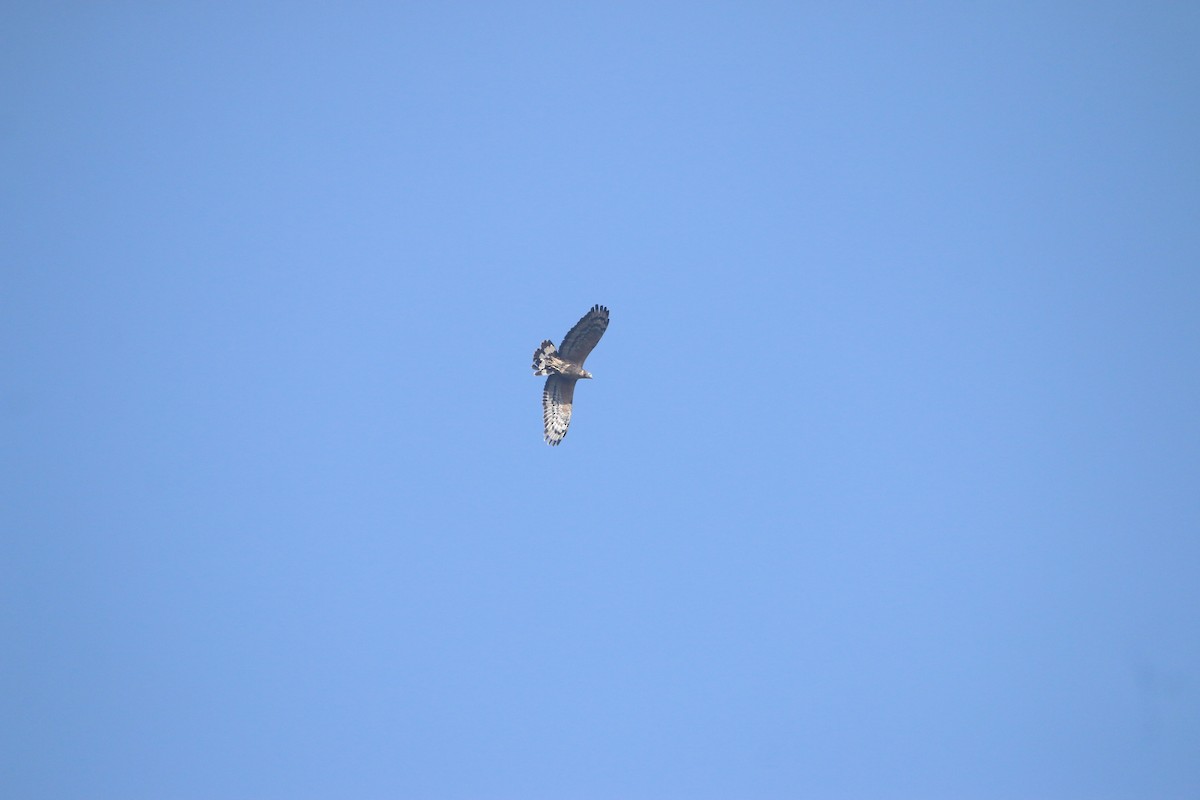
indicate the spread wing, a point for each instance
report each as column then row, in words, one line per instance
column 580, row 340
column 556, row 407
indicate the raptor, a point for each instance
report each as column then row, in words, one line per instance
column 565, row 368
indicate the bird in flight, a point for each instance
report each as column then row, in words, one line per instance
column 565, row 367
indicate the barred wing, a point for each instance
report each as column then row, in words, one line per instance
column 580, row 340
column 557, row 398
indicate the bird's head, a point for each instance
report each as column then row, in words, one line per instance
column 587, row 374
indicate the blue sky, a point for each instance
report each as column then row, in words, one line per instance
column 886, row 485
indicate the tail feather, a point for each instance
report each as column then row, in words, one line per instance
column 543, row 359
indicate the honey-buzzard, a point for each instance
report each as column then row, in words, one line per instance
column 565, row 367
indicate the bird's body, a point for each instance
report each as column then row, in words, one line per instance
column 564, row 367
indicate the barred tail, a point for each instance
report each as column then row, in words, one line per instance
column 543, row 359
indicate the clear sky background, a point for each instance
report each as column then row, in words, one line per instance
column 888, row 484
